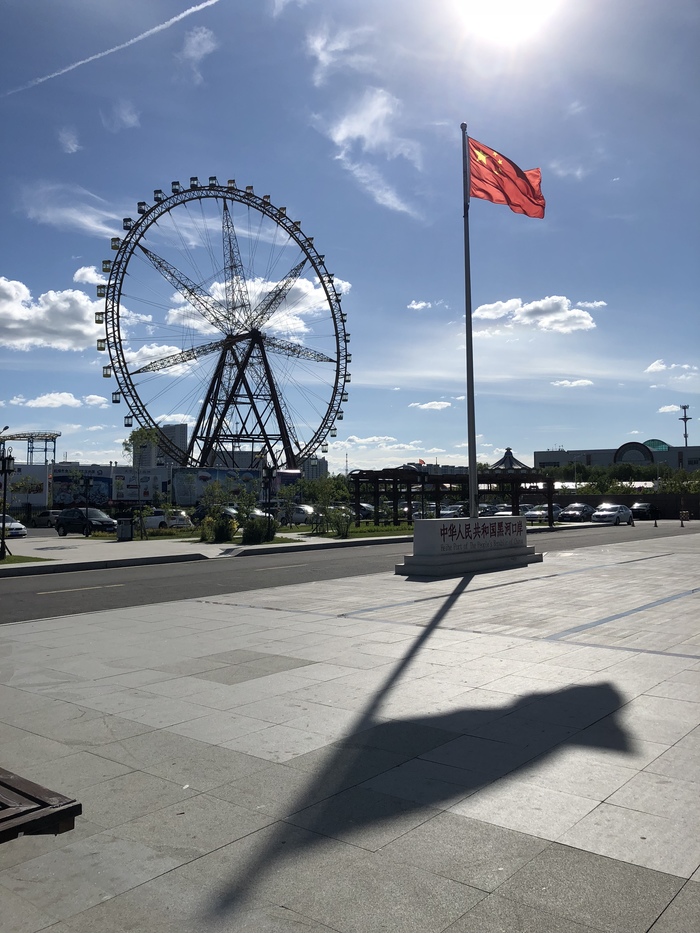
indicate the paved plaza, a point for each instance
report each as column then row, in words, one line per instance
column 517, row 751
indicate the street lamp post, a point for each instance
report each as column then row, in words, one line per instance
column 138, row 481
column 269, row 474
column 7, row 468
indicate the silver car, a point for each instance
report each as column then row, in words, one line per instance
column 609, row 514
column 45, row 519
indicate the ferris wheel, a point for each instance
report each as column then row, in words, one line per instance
column 220, row 314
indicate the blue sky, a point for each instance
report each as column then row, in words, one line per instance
column 347, row 112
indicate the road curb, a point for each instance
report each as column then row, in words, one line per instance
column 24, row 570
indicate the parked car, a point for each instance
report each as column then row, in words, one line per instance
column 610, row 514
column 646, row 511
column 576, row 512
column 302, row 514
column 45, row 519
column 540, row 513
column 163, row 518
column 13, row 528
column 84, row 522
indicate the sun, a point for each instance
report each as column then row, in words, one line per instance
column 507, row 22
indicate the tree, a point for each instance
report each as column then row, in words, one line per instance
column 138, row 438
column 27, row 485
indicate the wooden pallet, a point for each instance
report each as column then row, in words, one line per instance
column 28, row 809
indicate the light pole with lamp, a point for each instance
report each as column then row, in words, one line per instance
column 141, row 447
column 269, row 473
column 7, row 468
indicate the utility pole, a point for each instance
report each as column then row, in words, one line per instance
column 685, row 419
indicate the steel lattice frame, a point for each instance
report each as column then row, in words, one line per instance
column 243, row 402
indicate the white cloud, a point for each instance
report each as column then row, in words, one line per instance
column 281, row 4
column 336, row 52
column 659, row 366
column 419, row 305
column 63, row 320
column 498, row 309
column 49, row 400
column 572, row 383
column 68, row 140
column 568, row 170
column 123, row 116
column 69, row 207
column 553, row 313
column 88, row 275
column 116, row 48
column 175, row 419
column 591, row 305
column 430, row 406
column 668, row 408
column 369, row 125
column 98, row 401
column 199, row 43
column 367, row 130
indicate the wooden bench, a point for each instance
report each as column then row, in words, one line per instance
column 27, row 809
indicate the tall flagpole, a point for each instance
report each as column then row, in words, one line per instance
column 471, row 420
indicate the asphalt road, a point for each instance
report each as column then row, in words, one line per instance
column 54, row 595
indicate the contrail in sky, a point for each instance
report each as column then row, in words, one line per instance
column 117, row 48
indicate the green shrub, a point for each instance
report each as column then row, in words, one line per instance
column 259, row 530
column 341, row 520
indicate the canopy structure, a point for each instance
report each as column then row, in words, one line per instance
column 507, row 477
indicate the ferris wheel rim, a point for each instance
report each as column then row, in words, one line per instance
column 125, row 250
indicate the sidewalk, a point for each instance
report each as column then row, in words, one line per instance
column 515, row 752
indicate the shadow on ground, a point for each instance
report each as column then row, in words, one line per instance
column 446, row 756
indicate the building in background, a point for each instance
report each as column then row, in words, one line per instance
column 650, row 453
column 314, row 468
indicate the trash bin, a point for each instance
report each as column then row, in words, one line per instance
column 125, row 529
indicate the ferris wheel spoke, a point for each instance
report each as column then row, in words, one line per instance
column 267, row 307
column 198, row 297
column 296, row 350
column 194, row 353
column 237, row 300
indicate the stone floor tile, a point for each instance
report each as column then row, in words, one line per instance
column 140, row 751
column 277, row 790
column 465, row 850
column 574, row 771
column 72, row 773
column 68, row 880
column 277, row 743
column 103, row 730
column 678, row 762
column 209, row 767
column 124, row 798
column 18, row 915
column 396, row 898
column 683, row 913
column 639, row 838
column 527, row 808
column 661, row 795
column 597, row 892
column 217, row 726
column 193, row 827
column 362, row 817
column 497, row 914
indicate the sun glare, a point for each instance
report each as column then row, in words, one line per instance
column 507, row 22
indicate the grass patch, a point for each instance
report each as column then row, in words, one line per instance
column 371, row 530
column 20, row 559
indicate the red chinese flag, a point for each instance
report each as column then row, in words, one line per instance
column 497, row 179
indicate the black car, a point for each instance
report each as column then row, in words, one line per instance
column 84, row 522
column 644, row 510
column 576, row 512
